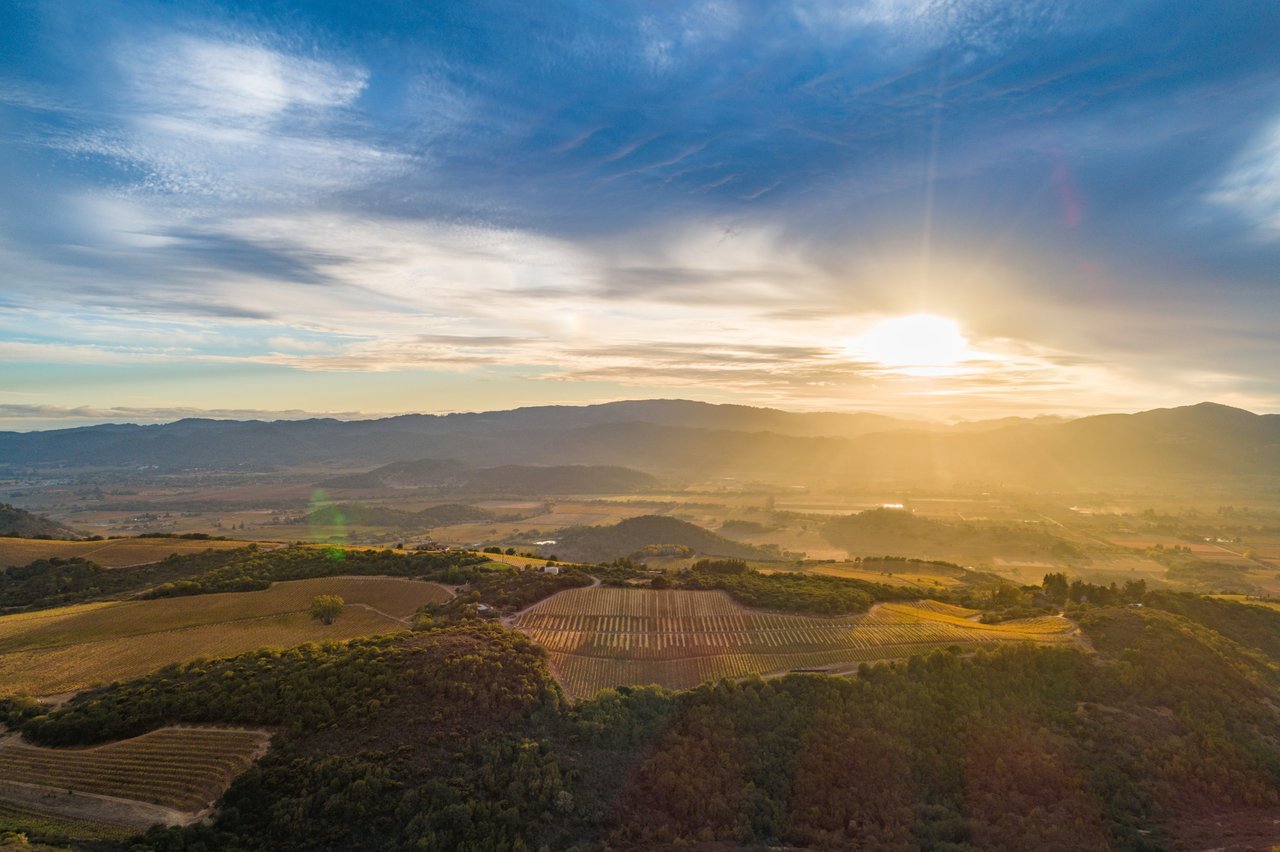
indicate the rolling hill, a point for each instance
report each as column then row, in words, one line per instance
column 20, row 522
column 632, row 536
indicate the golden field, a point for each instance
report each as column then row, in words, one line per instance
column 112, row 553
column 70, row 648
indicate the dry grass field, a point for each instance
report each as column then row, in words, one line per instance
column 182, row 769
column 912, row 575
column 112, row 553
column 67, row 649
column 1229, row 552
column 606, row 637
column 1251, row 601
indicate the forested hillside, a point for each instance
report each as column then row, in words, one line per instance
column 20, row 522
column 455, row 737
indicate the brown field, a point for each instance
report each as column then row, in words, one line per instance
column 607, row 637
column 912, row 575
column 518, row 561
column 1230, row 552
column 112, row 553
column 181, row 770
column 69, row 648
column 1251, row 601
column 1102, row 568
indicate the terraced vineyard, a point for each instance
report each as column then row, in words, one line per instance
column 603, row 637
column 180, row 769
column 65, row 649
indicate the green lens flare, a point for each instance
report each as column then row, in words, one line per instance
column 327, row 523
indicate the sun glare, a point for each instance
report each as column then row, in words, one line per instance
column 919, row 344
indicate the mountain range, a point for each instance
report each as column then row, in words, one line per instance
column 681, row 441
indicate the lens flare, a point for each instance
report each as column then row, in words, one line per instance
column 326, row 522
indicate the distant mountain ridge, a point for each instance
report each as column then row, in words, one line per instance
column 673, row 438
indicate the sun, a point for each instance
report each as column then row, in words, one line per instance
column 918, row 344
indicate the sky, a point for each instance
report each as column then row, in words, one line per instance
column 952, row 209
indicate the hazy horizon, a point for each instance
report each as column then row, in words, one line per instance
column 30, row 420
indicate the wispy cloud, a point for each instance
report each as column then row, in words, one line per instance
column 709, row 196
column 1252, row 184
column 237, row 121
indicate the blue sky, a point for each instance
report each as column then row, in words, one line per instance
column 378, row 207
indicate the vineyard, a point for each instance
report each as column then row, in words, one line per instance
column 605, row 637
column 37, row 822
column 181, row 769
column 66, row 649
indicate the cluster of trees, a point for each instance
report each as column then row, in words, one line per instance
column 260, row 569
column 58, row 581
column 1005, row 601
column 517, row 589
column 303, row 688
column 502, row 590
column 1057, row 589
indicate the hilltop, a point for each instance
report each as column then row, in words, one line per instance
column 648, row 535
column 20, row 522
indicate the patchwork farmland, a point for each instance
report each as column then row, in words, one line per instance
column 606, row 637
column 171, row 775
column 66, row 649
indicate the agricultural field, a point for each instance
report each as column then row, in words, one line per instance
column 1268, row 603
column 607, row 637
column 913, row 575
column 112, row 553
column 171, row 775
column 40, row 822
column 55, row 651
